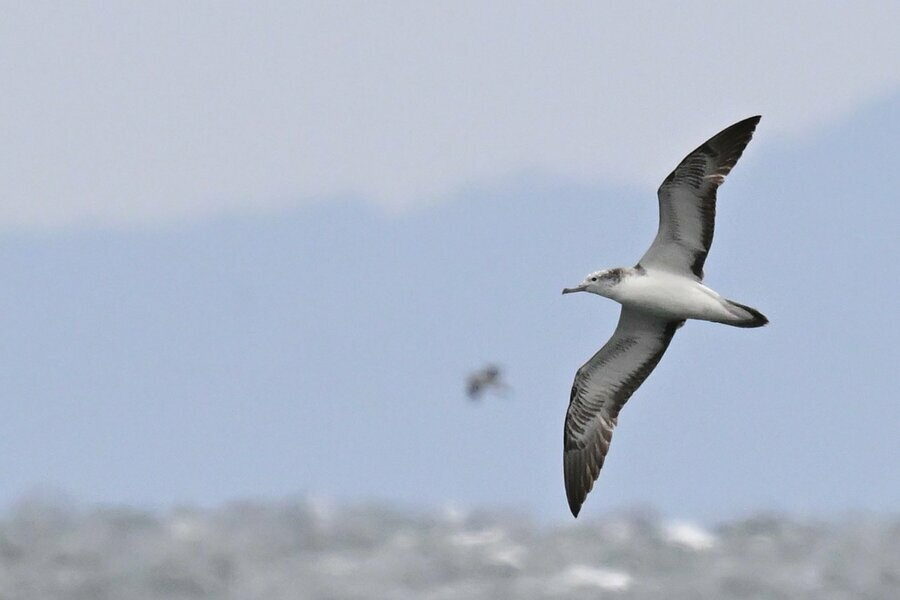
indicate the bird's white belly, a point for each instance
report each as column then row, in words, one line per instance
column 671, row 297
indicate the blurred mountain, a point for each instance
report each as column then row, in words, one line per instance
column 323, row 349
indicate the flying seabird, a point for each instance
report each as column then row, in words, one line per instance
column 482, row 379
column 657, row 295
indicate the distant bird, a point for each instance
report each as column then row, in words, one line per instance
column 483, row 379
column 657, row 296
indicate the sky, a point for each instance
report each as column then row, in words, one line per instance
column 252, row 250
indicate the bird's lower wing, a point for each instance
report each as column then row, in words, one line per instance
column 601, row 388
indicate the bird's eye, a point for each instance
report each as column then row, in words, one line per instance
column 593, row 279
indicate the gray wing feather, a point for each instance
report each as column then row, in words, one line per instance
column 687, row 202
column 601, row 388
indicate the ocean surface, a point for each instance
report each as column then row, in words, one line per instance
column 308, row 549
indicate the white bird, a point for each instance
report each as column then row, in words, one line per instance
column 657, row 295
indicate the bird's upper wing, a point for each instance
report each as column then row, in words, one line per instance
column 601, row 388
column 687, row 202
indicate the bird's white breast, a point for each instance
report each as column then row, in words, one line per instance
column 670, row 296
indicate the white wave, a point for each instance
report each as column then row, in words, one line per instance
column 688, row 535
column 583, row 576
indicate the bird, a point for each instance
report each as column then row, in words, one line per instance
column 657, row 295
column 482, row 379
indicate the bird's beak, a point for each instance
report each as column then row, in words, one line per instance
column 579, row 288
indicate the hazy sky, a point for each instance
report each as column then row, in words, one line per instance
column 253, row 249
column 131, row 113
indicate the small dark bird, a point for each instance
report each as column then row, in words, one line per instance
column 488, row 377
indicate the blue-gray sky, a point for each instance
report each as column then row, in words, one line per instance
column 254, row 251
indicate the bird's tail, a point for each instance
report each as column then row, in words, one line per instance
column 745, row 316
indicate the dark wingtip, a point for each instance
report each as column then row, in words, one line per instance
column 754, row 121
column 746, row 126
column 729, row 144
column 750, row 125
column 574, row 496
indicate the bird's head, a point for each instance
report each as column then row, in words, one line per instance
column 598, row 282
